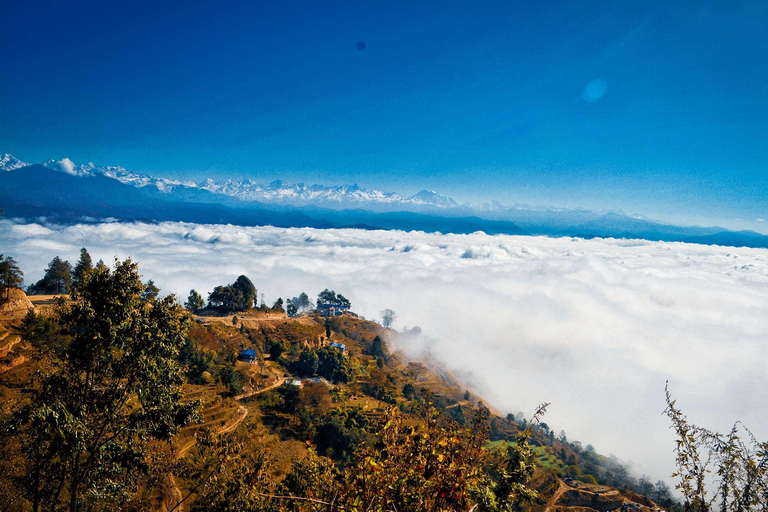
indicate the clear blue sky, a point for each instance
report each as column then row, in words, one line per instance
column 654, row 107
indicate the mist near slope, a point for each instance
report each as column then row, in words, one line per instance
column 594, row 326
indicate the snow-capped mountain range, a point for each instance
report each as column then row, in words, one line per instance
column 277, row 192
column 70, row 192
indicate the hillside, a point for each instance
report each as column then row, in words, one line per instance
column 317, row 387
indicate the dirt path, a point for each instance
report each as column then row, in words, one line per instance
column 174, row 495
column 278, row 383
column 551, row 503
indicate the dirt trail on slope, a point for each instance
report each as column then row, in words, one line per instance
column 560, row 490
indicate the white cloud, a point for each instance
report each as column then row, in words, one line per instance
column 594, row 326
column 67, row 166
column 760, row 220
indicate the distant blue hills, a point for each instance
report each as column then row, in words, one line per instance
column 42, row 190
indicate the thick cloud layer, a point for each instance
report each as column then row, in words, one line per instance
column 594, row 326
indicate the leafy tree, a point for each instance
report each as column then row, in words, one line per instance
column 238, row 296
column 308, row 363
column 57, row 279
column 409, row 391
column 378, row 348
column 333, row 365
column 511, row 486
column 84, row 265
column 740, row 468
column 276, row 349
column 194, row 302
column 329, row 297
column 246, row 287
column 10, row 275
column 278, row 305
column 291, row 397
column 113, row 387
column 150, row 291
column 388, row 317
column 341, row 432
column 415, row 370
column 299, row 304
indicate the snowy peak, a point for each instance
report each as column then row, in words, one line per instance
column 433, row 198
column 301, row 194
column 278, row 192
column 117, row 173
column 11, row 163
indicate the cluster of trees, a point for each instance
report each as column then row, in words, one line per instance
column 329, row 297
column 238, row 296
column 326, row 362
column 60, row 277
column 299, row 304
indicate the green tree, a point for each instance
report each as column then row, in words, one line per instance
column 246, row 287
column 238, row 296
column 329, row 297
column 308, row 363
column 57, row 279
column 194, row 302
column 10, row 275
column 150, row 291
column 84, row 265
column 112, row 388
column 333, row 365
column 378, row 348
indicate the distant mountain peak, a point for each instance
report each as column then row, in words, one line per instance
column 11, row 163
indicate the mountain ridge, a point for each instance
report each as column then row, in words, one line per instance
column 68, row 191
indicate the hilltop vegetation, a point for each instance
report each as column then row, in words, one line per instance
column 125, row 400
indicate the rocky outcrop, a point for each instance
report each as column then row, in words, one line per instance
column 16, row 305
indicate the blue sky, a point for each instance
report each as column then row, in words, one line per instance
column 659, row 108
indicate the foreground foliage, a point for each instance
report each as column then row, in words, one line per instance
column 434, row 465
column 96, row 403
column 739, row 468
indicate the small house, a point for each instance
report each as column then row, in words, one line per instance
column 339, row 346
column 331, row 309
column 248, row 356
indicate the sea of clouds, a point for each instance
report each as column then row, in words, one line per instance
column 596, row 327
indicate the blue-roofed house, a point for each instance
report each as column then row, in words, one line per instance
column 339, row 346
column 248, row 356
column 331, row 309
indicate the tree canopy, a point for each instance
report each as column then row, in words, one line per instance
column 10, row 275
column 84, row 265
column 98, row 402
column 238, row 296
column 329, row 297
column 194, row 302
column 57, row 279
